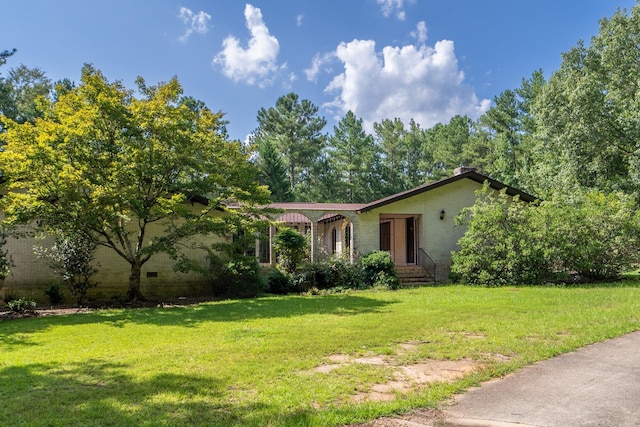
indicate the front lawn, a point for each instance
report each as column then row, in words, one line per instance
column 294, row 360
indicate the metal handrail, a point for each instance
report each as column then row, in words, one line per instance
column 426, row 262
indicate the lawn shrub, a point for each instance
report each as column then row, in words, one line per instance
column 55, row 294
column 22, row 305
column 237, row 276
column 71, row 257
column 342, row 273
column 378, row 269
column 279, row 282
column 592, row 236
column 290, row 247
column 336, row 272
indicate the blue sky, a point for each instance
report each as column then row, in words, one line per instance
column 421, row 59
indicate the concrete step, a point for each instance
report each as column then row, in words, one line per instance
column 413, row 276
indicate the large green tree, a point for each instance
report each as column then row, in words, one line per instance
column 504, row 136
column 589, row 112
column 19, row 91
column 295, row 129
column 354, row 162
column 109, row 165
column 446, row 147
column 273, row 174
column 390, row 140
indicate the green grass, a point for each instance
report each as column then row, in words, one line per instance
column 249, row 362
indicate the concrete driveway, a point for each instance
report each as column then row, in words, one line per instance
column 598, row 385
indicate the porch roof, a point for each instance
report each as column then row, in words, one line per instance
column 310, row 206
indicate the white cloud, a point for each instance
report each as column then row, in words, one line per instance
column 420, row 33
column 318, row 64
column 423, row 83
column 194, row 22
column 390, row 7
column 255, row 64
column 299, row 19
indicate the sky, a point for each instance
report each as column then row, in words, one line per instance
column 426, row 60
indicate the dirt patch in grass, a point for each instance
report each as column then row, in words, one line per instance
column 406, row 378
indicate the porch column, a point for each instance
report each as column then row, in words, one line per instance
column 352, row 242
column 314, row 233
column 272, row 252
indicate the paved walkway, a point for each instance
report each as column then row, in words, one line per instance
column 598, row 385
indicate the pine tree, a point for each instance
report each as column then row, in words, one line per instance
column 272, row 172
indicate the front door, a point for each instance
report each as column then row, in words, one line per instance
column 399, row 237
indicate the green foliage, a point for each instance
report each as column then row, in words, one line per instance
column 595, row 236
column 336, row 272
column 294, row 128
column 390, row 138
column 272, row 172
column 5, row 54
column 353, row 162
column 106, row 164
column 507, row 130
column 22, row 305
column 6, row 261
column 235, row 277
column 55, row 294
column 379, row 270
column 71, row 257
column 501, row 245
column 19, row 93
column 279, row 283
column 588, row 114
column 290, row 248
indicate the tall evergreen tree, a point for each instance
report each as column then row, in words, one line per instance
column 354, row 161
column 414, row 140
column 448, row 146
column 509, row 127
column 390, row 139
column 272, row 172
column 294, row 128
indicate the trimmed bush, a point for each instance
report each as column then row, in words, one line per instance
column 279, row 282
column 379, row 270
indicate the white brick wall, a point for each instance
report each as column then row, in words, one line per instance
column 437, row 237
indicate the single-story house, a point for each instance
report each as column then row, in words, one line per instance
column 416, row 226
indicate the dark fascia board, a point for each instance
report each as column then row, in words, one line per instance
column 474, row 176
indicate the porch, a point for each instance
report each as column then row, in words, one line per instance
column 338, row 230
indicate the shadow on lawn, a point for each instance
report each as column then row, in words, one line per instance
column 16, row 332
column 97, row 393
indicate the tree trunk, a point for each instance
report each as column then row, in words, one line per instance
column 133, row 293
